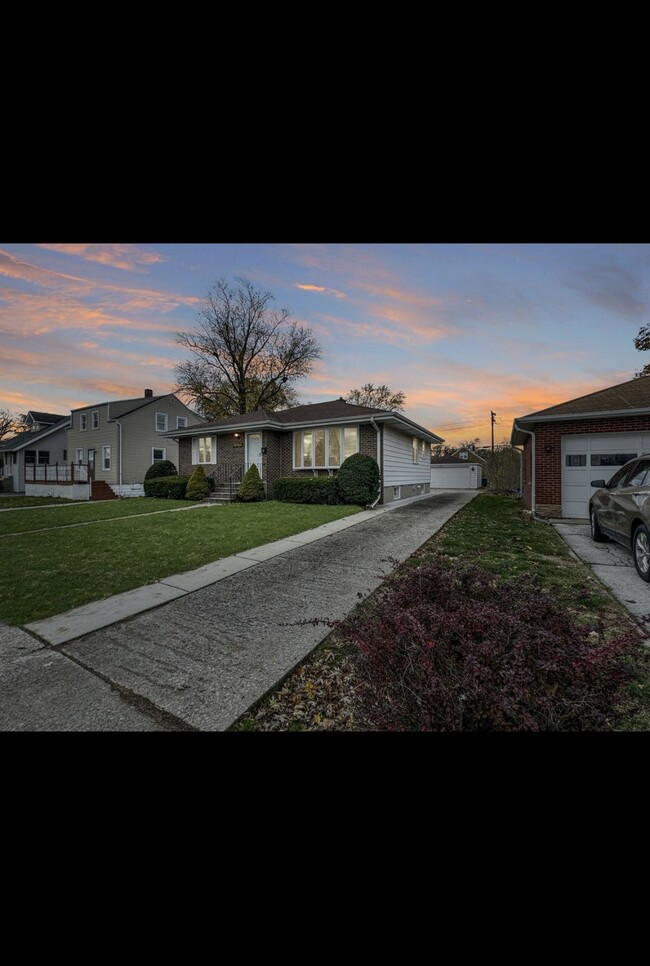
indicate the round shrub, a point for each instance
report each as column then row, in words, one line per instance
column 197, row 485
column 251, row 488
column 451, row 650
column 307, row 489
column 160, row 468
column 358, row 479
column 166, row 487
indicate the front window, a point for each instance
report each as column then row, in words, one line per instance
column 30, row 457
column 161, row 422
column 95, row 418
column 324, row 447
column 157, row 455
column 181, row 422
column 106, row 457
column 43, row 456
column 204, row 449
column 83, row 421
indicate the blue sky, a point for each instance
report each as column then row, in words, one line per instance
column 462, row 329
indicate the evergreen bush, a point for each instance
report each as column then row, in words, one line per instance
column 358, row 479
column 251, row 488
column 197, row 485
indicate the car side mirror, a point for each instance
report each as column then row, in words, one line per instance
column 598, row 483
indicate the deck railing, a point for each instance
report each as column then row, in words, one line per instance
column 63, row 473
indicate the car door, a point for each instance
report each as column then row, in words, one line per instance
column 630, row 497
column 607, row 501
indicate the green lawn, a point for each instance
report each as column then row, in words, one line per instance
column 46, row 573
column 39, row 519
column 13, row 502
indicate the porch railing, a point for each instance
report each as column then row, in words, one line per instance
column 63, row 473
column 230, row 475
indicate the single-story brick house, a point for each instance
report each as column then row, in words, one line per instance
column 588, row 438
column 312, row 440
column 463, row 469
column 43, row 443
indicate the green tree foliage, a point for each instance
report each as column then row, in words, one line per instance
column 197, row 485
column 244, row 355
column 379, row 397
column 251, row 488
column 358, row 479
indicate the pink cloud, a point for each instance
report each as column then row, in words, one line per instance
column 321, row 289
column 126, row 257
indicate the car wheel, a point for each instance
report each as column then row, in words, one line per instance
column 597, row 534
column 641, row 552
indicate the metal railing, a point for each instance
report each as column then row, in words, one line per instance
column 230, row 475
column 63, row 473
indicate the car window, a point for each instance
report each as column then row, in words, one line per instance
column 618, row 480
column 639, row 474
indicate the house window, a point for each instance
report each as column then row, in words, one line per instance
column 415, row 449
column 611, row 459
column 43, row 457
column 78, row 456
column 15, row 458
column 463, row 455
column 161, row 422
column 95, row 418
column 579, row 459
column 82, row 422
column 181, row 422
column 157, row 455
column 320, row 448
column 30, row 457
column 424, row 445
column 204, row 449
column 106, row 457
column 396, row 492
column 65, row 455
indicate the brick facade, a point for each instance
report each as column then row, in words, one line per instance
column 548, row 455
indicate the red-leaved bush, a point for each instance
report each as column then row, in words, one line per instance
column 450, row 650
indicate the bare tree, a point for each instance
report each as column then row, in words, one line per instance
column 245, row 355
column 642, row 343
column 379, row 397
column 10, row 424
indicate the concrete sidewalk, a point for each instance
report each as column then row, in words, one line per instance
column 200, row 660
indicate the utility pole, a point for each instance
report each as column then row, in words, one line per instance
column 493, row 417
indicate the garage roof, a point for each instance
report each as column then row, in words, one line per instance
column 626, row 399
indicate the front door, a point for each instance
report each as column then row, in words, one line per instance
column 91, row 463
column 254, row 450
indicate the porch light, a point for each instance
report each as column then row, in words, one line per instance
column 236, row 435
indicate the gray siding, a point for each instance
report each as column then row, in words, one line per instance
column 139, row 437
column 105, row 435
column 399, row 468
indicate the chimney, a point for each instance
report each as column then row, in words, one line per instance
column 148, row 394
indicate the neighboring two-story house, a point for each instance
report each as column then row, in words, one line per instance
column 119, row 440
column 43, row 443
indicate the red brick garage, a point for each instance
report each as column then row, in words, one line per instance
column 569, row 445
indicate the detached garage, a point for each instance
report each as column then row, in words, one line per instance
column 589, row 438
column 462, row 470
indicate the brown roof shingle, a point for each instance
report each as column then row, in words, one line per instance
column 634, row 394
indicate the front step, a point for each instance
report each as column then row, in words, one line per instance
column 101, row 491
column 221, row 494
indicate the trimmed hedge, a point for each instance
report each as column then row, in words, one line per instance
column 161, row 468
column 197, row 485
column 251, row 488
column 308, row 489
column 166, row 487
column 358, row 479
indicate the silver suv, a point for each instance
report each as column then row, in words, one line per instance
column 620, row 510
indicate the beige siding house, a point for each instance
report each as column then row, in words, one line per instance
column 119, row 440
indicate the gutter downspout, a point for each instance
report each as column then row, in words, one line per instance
column 533, row 508
column 120, row 449
column 376, row 427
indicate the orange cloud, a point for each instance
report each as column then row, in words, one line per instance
column 126, row 257
column 320, row 288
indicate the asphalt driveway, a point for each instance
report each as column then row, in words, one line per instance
column 613, row 565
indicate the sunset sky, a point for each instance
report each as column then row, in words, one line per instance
column 462, row 329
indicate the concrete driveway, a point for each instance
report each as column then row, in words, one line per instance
column 613, row 565
column 199, row 661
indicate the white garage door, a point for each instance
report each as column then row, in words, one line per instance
column 596, row 457
column 456, row 477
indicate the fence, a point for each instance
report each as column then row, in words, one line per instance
column 63, row 473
